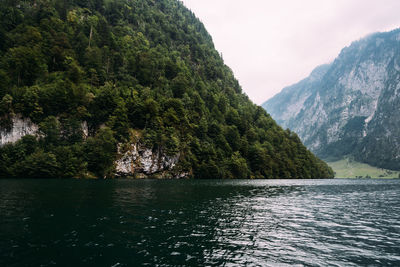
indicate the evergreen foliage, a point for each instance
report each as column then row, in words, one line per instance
column 119, row 65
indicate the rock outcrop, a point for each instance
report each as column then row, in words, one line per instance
column 20, row 127
column 137, row 161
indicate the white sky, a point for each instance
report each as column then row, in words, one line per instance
column 270, row 44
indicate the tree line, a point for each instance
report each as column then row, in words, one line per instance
column 124, row 67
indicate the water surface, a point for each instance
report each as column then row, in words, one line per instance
column 189, row 223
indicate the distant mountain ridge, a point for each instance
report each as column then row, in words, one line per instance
column 349, row 107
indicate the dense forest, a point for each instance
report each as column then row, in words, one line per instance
column 129, row 68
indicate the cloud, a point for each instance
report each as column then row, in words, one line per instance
column 272, row 44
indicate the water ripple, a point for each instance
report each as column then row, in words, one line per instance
column 189, row 223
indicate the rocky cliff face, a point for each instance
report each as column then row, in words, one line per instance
column 20, row 127
column 349, row 106
column 137, row 161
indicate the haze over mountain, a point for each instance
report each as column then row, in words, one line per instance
column 349, row 107
column 129, row 88
column 272, row 44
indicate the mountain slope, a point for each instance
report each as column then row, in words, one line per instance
column 351, row 109
column 134, row 88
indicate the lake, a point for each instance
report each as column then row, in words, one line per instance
column 196, row 223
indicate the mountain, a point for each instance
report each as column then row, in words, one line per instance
column 102, row 88
column 349, row 107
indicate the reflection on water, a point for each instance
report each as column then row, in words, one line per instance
column 125, row 223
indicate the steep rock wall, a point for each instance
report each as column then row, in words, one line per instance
column 138, row 161
column 20, row 128
column 351, row 109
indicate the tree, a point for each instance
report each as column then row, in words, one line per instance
column 40, row 164
column 238, row 166
column 25, row 65
column 119, row 122
column 6, row 105
column 50, row 130
column 100, row 153
column 30, row 101
column 233, row 137
column 5, row 83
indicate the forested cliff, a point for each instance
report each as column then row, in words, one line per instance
column 130, row 87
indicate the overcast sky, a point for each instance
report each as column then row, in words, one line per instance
column 270, row 44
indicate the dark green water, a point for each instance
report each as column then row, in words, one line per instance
column 197, row 223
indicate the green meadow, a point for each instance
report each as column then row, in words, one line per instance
column 348, row 168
